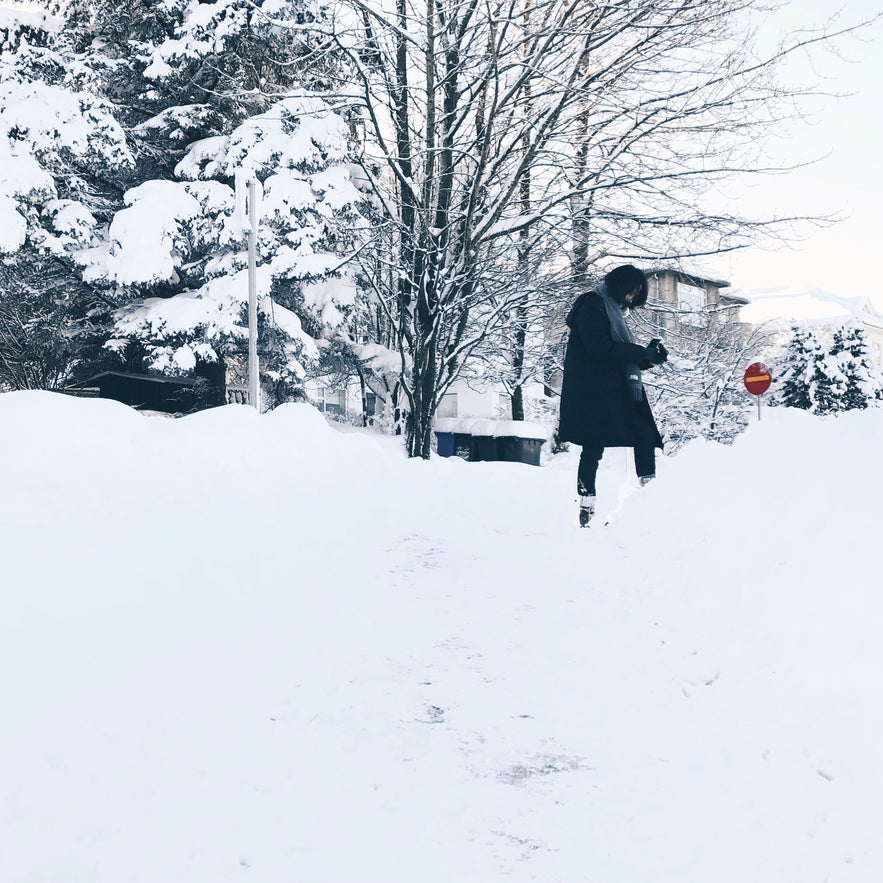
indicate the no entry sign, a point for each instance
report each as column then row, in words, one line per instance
column 757, row 378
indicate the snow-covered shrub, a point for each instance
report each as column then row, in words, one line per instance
column 699, row 391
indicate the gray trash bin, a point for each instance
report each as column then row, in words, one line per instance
column 520, row 450
column 519, row 441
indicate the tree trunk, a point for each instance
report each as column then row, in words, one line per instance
column 518, row 352
column 364, row 394
column 419, row 433
column 518, row 403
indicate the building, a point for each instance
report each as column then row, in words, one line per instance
column 465, row 398
column 687, row 296
column 820, row 310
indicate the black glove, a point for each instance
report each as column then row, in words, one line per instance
column 655, row 353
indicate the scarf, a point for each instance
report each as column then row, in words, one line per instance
column 622, row 334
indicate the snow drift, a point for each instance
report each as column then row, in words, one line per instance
column 242, row 648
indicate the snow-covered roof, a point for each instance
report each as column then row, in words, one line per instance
column 491, row 428
column 804, row 305
column 131, row 375
column 693, row 271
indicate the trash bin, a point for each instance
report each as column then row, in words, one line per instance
column 444, row 443
column 464, row 445
column 520, row 450
column 444, row 436
column 520, row 442
column 484, row 433
column 486, row 448
column 466, row 437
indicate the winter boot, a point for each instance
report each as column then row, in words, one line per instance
column 646, row 479
column 586, row 509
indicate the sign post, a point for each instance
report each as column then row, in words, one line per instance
column 247, row 216
column 254, row 383
column 757, row 381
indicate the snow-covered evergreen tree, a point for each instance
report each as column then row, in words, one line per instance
column 62, row 153
column 862, row 381
column 797, row 369
column 31, row 23
column 827, row 383
column 215, row 89
column 58, row 143
column 184, row 238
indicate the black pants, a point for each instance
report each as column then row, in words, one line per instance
column 645, row 464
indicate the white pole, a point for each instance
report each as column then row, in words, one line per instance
column 758, row 405
column 254, row 384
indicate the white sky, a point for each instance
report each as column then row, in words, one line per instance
column 847, row 181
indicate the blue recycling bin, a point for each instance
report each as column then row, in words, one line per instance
column 445, row 444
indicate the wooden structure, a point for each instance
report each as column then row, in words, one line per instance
column 145, row 392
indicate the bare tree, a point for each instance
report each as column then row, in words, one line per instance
column 496, row 127
column 700, row 390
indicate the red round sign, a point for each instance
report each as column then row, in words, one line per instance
column 757, row 378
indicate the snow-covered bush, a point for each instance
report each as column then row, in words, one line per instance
column 699, row 391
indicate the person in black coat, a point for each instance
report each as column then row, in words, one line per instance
column 603, row 403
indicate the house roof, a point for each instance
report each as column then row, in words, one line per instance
column 805, row 305
column 128, row 375
column 689, row 274
column 734, row 299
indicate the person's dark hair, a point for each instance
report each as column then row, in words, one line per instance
column 622, row 280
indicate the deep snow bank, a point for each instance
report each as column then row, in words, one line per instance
column 256, row 648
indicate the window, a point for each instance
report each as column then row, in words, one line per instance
column 691, row 303
column 447, row 407
column 332, row 401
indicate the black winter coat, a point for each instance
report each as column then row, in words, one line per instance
column 597, row 409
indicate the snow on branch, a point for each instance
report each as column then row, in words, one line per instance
column 301, row 133
column 43, row 127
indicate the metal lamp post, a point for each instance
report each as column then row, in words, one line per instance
column 247, row 194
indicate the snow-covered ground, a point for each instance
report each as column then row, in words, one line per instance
column 242, row 649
